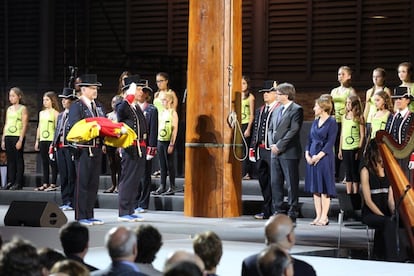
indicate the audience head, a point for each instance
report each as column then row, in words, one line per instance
column 279, row 230
column 274, row 261
column 74, row 238
column 149, row 242
column 69, row 268
column 121, row 243
column 182, row 255
column 19, row 258
column 209, row 248
column 48, row 257
column 183, row 268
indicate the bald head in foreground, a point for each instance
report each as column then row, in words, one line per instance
column 279, row 231
column 121, row 243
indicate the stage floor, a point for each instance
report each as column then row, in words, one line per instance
column 242, row 236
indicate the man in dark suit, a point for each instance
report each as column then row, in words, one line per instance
column 121, row 243
column 74, row 238
column 279, row 230
column 88, row 155
column 260, row 148
column 284, row 140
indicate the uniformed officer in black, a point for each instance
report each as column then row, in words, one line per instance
column 133, row 157
column 88, row 155
column 151, row 116
column 66, row 165
column 260, row 149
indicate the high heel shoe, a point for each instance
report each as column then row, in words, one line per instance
column 314, row 222
column 323, row 222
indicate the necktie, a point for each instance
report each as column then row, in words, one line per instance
column 266, row 110
column 279, row 115
column 93, row 106
column 396, row 126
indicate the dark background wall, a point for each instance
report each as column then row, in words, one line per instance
column 299, row 41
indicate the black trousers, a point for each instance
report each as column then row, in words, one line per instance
column 114, row 164
column 15, row 161
column 263, row 175
column 133, row 168
column 145, row 187
column 67, row 174
column 385, row 242
column 167, row 164
column 88, row 170
column 46, row 162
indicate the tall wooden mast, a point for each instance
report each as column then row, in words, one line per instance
column 212, row 174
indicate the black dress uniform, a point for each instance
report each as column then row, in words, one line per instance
column 151, row 116
column 88, row 159
column 262, row 154
column 133, row 157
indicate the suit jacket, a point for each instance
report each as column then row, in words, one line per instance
column 285, row 134
column 80, row 260
column 78, row 111
column 118, row 269
column 135, row 119
column 300, row 268
column 151, row 116
column 257, row 128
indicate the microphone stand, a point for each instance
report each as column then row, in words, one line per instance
column 397, row 218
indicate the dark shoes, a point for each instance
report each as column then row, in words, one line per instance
column 13, row 187
column 170, row 191
column 159, row 191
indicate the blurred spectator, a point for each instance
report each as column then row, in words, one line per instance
column 74, row 238
column 209, row 248
column 149, row 243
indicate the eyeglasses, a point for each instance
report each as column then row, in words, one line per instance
column 158, row 81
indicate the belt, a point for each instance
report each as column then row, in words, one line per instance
column 142, row 143
column 379, row 191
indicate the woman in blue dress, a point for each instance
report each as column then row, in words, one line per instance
column 320, row 159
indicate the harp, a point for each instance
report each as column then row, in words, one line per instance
column 402, row 188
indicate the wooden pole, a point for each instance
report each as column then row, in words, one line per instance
column 212, row 173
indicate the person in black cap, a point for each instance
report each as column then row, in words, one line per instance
column 260, row 148
column 88, row 155
column 399, row 124
column 151, row 116
column 133, row 157
column 66, row 166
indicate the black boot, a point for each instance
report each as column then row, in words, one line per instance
column 159, row 191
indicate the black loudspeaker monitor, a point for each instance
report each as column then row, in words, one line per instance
column 34, row 213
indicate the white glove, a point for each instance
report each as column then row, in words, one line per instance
column 252, row 155
column 51, row 155
column 411, row 163
column 151, row 152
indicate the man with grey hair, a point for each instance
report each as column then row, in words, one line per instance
column 279, row 230
column 286, row 150
column 121, row 243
